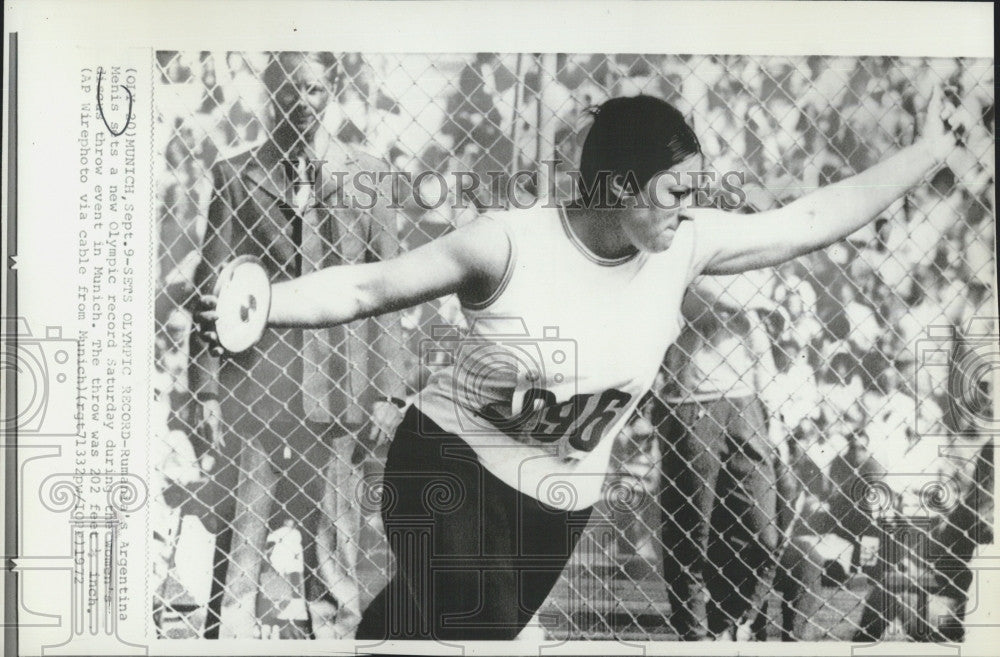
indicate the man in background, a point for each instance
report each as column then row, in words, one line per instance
column 719, row 494
column 286, row 417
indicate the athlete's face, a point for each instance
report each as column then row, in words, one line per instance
column 652, row 218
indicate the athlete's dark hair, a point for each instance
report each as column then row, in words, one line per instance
column 635, row 137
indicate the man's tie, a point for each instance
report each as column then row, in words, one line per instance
column 316, row 346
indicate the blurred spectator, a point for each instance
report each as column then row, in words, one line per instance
column 793, row 394
column 841, row 391
column 315, row 395
column 853, row 473
column 719, row 485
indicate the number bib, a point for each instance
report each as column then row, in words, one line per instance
column 573, row 427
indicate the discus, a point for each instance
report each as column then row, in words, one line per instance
column 243, row 293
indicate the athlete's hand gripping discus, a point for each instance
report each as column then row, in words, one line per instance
column 243, row 301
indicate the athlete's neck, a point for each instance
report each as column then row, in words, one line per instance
column 600, row 231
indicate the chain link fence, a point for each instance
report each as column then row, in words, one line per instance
column 816, row 459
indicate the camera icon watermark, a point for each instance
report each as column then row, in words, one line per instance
column 961, row 365
column 45, row 370
column 500, row 377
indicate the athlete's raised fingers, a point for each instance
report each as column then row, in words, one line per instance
column 206, row 301
column 205, row 308
column 207, row 316
column 210, row 337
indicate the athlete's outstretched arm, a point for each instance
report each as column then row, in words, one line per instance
column 469, row 261
column 731, row 243
column 465, row 262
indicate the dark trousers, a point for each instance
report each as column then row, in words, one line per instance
column 937, row 565
column 786, row 581
column 719, row 503
column 475, row 558
column 301, row 481
column 286, row 462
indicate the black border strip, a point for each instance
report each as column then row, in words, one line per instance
column 10, row 632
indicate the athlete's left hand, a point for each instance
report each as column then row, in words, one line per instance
column 205, row 315
column 385, row 417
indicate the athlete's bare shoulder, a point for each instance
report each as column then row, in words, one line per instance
column 537, row 218
column 481, row 241
column 707, row 213
column 707, row 227
column 482, row 248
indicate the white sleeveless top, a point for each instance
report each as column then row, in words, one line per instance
column 557, row 359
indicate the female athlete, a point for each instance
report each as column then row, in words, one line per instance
column 493, row 472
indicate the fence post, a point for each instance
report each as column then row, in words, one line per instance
column 515, row 121
column 546, row 124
